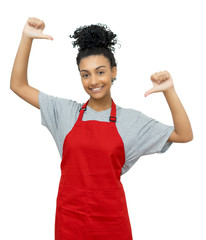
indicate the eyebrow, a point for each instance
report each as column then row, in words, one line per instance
column 96, row 69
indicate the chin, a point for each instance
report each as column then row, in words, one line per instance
column 96, row 97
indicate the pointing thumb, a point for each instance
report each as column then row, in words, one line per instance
column 43, row 36
column 148, row 92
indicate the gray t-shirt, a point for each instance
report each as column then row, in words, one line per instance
column 140, row 134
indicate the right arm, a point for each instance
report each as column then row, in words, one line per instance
column 19, row 82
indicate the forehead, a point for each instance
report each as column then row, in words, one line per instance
column 92, row 62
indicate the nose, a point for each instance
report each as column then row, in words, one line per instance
column 93, row 80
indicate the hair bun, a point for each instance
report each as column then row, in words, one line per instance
column 94, row 36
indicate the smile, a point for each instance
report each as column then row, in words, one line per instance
column 97, row 89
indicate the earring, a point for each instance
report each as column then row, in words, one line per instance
column 113, row 79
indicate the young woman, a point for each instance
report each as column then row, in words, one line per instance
column 98, row 140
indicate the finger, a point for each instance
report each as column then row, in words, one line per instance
column 154, row 77
column 36, row 22
column 163, row 76
column 149, row 92
column 32, row 21
column 159, row 78
column 44, row 36
column 40, row 23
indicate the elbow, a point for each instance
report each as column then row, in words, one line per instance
column 191, row 138
column 181, row 138
column 13, row 88
column 188, row 138
column 12, row 85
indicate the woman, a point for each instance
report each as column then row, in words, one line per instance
column 98, row 140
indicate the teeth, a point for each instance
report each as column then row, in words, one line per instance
column 95, row 89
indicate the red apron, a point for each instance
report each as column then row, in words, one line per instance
column 91, row 203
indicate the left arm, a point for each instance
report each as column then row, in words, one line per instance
column 162, row 82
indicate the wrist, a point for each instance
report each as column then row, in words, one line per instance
column 169, row 91
column 25, row 38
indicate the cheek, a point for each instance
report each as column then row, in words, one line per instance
column 84, row 84
column 106, row 78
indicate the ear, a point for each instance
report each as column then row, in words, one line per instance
column 114, row 72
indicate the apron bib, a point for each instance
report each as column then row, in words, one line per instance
column 91, row 203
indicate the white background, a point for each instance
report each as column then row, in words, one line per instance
column 165, row 192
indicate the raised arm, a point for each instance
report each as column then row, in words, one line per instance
column 19, row 82
column 162, row 82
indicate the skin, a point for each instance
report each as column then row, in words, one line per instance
column 163, row 82
column 95, row 71
column 92, row 78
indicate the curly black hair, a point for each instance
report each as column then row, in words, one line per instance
column 95, row 39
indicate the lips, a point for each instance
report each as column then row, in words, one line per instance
column 96, row 89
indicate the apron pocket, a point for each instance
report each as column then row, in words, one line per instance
column 107, row 209
column 72, row 207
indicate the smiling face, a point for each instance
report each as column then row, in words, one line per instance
column 96, row 75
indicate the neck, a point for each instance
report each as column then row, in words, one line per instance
column 100, row 104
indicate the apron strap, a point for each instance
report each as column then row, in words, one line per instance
column 112, row 117
column 81, row 110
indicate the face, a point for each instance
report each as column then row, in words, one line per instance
column 96, row 75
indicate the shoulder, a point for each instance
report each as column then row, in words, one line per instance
column 129, row 121
column 58, row 102
column 134, row 115
column 134, row 120
column 128, row 114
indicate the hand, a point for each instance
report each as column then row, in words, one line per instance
column 162, row 82
column 34, row 28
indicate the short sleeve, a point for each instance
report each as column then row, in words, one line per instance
column 152, row 135
column 49, row 111
column 58, row 115
column 143, row 136
column 56, row 112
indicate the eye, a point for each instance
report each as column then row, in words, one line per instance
column 101, row 72
column 84, row 75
